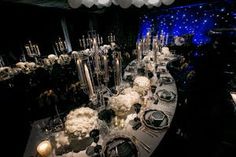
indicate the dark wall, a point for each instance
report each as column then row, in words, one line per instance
column 21, row 22
column 123, row 23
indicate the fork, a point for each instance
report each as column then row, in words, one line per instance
column 143, row 145
column 152, row 134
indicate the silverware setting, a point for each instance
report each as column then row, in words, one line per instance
column 169, row 113
column 152, row 134
column 142, row 144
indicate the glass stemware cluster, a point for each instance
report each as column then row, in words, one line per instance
column 94, row 151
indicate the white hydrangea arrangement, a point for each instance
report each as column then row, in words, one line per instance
column 64, row 59
column 61, row 139
column 81, row 121
column 166, row 51
column 141, row 85
column 52, row 58
column 122, row 103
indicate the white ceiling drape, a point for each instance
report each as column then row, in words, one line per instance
column 67, row 4
column 122, row 3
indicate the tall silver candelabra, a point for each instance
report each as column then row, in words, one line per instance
column 61, row 46
column 32, row 50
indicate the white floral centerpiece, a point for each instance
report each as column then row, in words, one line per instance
column 20, row 65
column 64, row 59
column 52, row 58
column 30, row 65
column 61, row 139
column 122, row 103
column 81, row 121
column 141, row 85
column 166, row 51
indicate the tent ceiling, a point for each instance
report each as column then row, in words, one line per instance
column 103, row 3
column 43, row 3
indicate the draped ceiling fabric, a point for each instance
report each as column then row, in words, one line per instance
column 44, row 3
column 73, row 4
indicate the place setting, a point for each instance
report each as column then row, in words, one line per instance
column 120, row 146
column 162, row 70
column 166, row 80
column 165, row 95
column 130, row 69
column 154, row 120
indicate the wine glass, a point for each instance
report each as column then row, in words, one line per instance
column 137, row 108
column 94, row 150
column 158, row 74
column 153, row 88
column 94, row 134
column 150, row 74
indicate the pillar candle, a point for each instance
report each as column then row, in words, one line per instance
column 80, row 71
column 163, row 41
column 57, row 46
column 38, row 52
column 80, row 43
column 30, row 47
column 65, row 46
column 61, row 46
column 34, row 50
column 98, row 39
column 148, row 41
column 90, row 43
column 155, row 52
column 27, row 48
column 96, row 55
column 87, row 42
column 143, row 46
column 111, row 38
column 117, row 72
column 84, row 42
column 106, row 76
column 114, row 38
column 167, row 36
column 89, row 82
column 139, row 53
column 101, row 40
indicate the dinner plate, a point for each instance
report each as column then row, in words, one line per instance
column 162, row 70
column 132, row 63
column 155, row 119
column 166, row 80
column 120, row 147
column 165, row 95
column 130, row 69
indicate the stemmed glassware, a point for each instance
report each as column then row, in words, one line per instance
column 94, row 150
column 137, row 108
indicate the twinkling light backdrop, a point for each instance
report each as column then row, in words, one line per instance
column 195, row 20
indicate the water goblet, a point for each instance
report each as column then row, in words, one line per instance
column 137, row 108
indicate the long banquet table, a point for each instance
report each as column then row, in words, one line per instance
column 151, row 138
